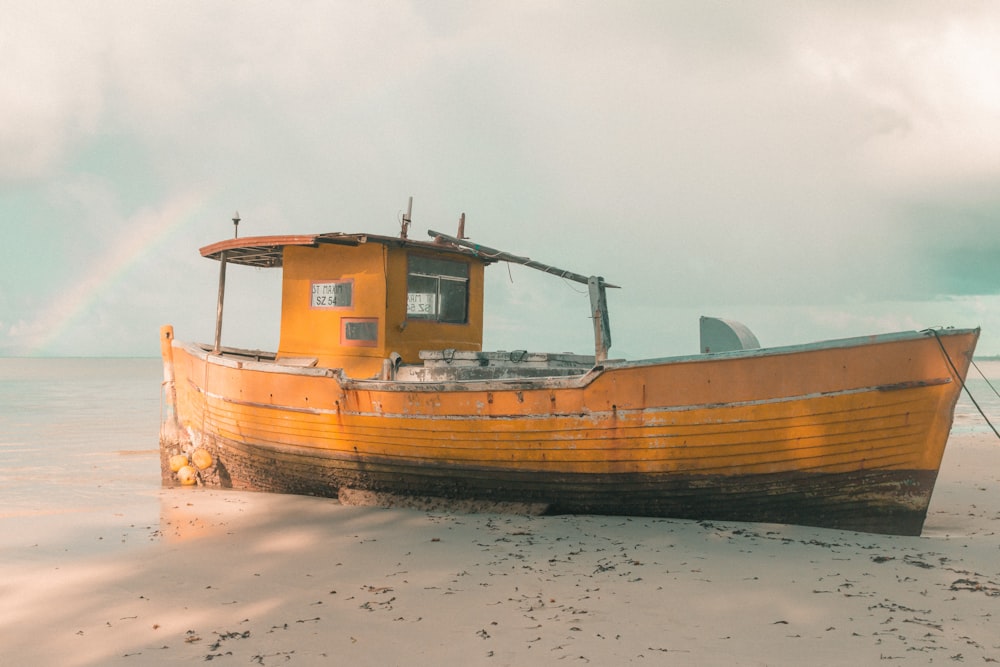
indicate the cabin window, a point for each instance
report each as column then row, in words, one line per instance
column 359, row 332
column 332, row 294
column 437, row 290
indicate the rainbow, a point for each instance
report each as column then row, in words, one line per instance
column 142, row 234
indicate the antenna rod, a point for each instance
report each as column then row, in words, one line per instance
column 406, row 220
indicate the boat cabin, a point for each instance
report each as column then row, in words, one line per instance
column 353, row 301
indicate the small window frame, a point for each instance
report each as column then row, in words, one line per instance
column 345, row 326
column 432, row 272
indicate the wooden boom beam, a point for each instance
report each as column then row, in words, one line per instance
column 493, row 253
column 595, row 284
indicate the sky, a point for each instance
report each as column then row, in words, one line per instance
column 815, row 170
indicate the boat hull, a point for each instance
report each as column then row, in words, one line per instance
column 847, row 434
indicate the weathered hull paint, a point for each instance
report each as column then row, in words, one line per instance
column 848, row 434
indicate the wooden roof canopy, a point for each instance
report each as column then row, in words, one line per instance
column 266, row 251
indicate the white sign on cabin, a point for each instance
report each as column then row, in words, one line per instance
column 421, row 304
column 333, row 294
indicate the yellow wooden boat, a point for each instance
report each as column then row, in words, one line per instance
column 379, row 385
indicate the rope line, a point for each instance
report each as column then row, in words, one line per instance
column 962, row 381
column 983, row 375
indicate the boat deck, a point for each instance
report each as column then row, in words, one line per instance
column 442, row 365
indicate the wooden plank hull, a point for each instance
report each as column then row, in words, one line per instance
column 846, row 434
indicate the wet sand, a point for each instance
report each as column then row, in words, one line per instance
column 192, row 575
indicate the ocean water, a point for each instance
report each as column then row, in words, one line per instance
column 976, row 413
column 79, row 466
column 78, row 450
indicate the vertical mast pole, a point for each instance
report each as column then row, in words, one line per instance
column 602, row 324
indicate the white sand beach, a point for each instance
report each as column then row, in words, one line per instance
column 239, row 578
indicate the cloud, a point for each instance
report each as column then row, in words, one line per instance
column 924, row 83
column 51, row 93
column 704, row 156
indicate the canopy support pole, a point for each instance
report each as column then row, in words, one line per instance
column 218, row 309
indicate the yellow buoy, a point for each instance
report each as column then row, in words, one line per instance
column 187, row 475
column 201, row 458
column 177, row 462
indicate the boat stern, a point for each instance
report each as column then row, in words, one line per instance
column 184, row 461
